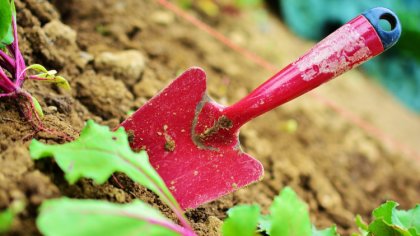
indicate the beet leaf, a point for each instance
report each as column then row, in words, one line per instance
column 68, row 217
column 6, row 220
column 331, row 231
column 389, row 221
column 289, row 217
column 5, row 20
column 242, row 220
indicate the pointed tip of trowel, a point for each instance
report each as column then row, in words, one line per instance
column 196, row 71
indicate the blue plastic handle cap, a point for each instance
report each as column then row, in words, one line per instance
column 388, row 37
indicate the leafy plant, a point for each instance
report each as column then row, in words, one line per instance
column 97, row 154
column 13, row 71
column 389, row 221
column 289, row 217
column 242, row 220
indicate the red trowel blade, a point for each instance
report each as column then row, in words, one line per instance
column 195, row 174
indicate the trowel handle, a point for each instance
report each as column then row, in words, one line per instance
column 354, row 43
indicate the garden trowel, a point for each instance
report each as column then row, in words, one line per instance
column 193, row 142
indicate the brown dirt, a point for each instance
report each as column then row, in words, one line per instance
column 334, row 166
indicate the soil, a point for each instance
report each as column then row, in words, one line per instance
column 117, row 54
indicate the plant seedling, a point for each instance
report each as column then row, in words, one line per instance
column 13, row 70
column 288, row 216
column 389, row 221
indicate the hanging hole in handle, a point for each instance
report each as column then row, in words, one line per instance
column 387, row 22
column 386, row 25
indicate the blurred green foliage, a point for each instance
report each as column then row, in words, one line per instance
column 398, row 69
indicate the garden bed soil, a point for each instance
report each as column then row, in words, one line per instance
column 117, row 54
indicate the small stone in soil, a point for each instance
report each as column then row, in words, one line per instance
column 128, row 65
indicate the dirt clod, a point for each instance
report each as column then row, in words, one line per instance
column 126, row 65
column 103, row 95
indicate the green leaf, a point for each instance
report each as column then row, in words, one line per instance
column 68, row 217
column 98, row 153
column 389, row 221
column 49, row 76
column 8, row 215
column 361, row 224
column 61, row 82
column 5, row 18
column 409, row 219
column 264, row 223
column 6, row 25
column 385, row 211
column 331, row 231
column 37, row 107
column 8, row 38
column 289, row 215
column 37, row 67
column 363, row 227
column 6, row 220
column 242, row 220
column 380, row 227
column 13, row 8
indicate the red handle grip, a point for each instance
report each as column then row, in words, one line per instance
column 349, row 46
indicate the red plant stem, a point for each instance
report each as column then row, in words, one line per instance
column 32, row 107
column 11, row 50
column 179, row 213
column 3, row 87
column 19, row 62
column 34, row 77
column 7, row 94
column 118, row 182
column 173, row 227
column 7, row 59
column 28, row 108
column 5, row 84
column 15, row 44
column 173, row 205
column 6, row 66
column 20, row 70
